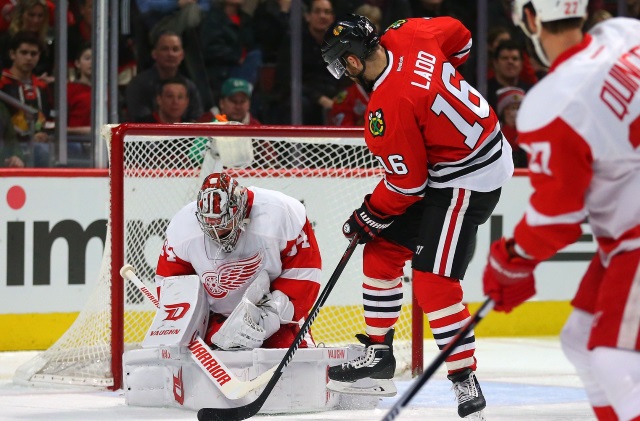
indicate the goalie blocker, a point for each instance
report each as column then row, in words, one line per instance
column 164, row 373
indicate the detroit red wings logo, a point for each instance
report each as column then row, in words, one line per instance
column 231, row 275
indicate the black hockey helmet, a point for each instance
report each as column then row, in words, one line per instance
column 355, row 35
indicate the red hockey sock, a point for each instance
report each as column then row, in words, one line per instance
column 441, row 299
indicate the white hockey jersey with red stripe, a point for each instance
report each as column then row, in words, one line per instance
column 425, row 123
column 581, row 128
column 278, row 239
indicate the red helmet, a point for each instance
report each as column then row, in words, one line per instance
column 221, row 207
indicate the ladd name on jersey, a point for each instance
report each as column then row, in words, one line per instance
column 425, row 63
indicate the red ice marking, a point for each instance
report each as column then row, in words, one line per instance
column 16, row 197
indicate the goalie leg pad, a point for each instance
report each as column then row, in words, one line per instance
column 168, row 377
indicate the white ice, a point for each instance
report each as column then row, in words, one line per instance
column 522, row 380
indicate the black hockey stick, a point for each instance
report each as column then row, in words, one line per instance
column 446, row 351
column 251, row 409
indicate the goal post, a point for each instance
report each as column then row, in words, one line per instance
column 154, row 170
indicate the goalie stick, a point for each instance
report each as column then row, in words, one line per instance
column 446, row 351
column 231, row 387
column 252, row 408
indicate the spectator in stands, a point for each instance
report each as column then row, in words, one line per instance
column 271, row 28
column 32, row 16
column 497, row 35
column 141, row 91
column 228, row 44
column 20, row 82
column 349, row 107
column 392, row 10
column 80, row 33
column 509, row 100
column 235, row 103
column 176, row 16
column 318, row 86
column 507, row 64
column 633, row 8
column 596, row 17
column 79, row 95
column 11, row 155
column 172, row 101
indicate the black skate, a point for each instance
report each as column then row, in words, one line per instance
column 469, row 395
column 370, row 373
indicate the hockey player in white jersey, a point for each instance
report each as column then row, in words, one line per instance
column 581, row 128
column 257, row 258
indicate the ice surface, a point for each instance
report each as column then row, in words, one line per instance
column 522, row 379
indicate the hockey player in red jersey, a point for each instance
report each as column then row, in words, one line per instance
column 445, row 160
column 580, row 126
column 257, row 258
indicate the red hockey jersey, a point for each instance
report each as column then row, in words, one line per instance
column 425, row 123
column 581, row 128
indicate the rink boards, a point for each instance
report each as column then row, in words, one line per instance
column 53, row 225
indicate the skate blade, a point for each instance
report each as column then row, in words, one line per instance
column 476, row 416
column 371, row 387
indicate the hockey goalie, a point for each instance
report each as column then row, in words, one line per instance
column 238, row 273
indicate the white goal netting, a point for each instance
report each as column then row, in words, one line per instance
column 155, row 170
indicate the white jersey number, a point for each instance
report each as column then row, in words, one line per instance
column 396, row 164
column 471, row 132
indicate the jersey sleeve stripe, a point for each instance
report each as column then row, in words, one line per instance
column 302, row 274
column 465, row 50
column 535, row 218
column 416, row 191
column 486, row 149
column 487, row 155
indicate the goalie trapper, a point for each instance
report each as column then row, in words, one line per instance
column 369, row 374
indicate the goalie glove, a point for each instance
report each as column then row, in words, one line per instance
column 508, row 278
column 249, row 325
column 365, row 222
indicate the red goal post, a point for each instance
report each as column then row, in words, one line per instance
column 155, row 170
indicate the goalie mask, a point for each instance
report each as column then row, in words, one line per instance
column 221, row 207
column 353, row 35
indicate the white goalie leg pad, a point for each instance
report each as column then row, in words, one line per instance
column 618, row 373
column 182, row 315
column 574, row 338
column 165, row 377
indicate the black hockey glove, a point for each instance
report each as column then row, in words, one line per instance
column 365, row 222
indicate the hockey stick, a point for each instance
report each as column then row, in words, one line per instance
column 252, row 408
column 207, row 360
column 446, row 351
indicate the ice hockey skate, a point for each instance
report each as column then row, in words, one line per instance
column 469, row 395
column 369, row 374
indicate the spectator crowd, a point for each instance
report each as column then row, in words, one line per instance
column 213, row 60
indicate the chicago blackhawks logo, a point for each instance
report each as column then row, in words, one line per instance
column 376, row 123
column 231, row 275
column 397, row 24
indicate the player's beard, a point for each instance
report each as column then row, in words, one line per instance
column 367, row 85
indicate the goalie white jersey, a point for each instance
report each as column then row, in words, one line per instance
column 278, row 239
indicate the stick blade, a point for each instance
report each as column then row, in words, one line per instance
column 228, row 414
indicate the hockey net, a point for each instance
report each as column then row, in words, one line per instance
column 157, row 169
